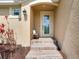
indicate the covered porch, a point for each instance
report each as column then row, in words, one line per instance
column 42, row 19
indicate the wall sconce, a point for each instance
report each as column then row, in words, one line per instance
column 24, row 12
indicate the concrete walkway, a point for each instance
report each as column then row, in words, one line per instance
column 43, row 48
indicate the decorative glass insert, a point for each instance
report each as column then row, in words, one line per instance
column 46, row 24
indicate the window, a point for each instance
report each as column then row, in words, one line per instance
column 16, row 11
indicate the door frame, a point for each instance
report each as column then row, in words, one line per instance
column 50, row 13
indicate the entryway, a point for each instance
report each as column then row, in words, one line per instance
column 42, row 19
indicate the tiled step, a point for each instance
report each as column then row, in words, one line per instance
column 44, row 57
column 43, row 48
column 43, row 44
column 44, row 54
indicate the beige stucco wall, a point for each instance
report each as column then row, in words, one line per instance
column 71, row 42
column 25, row 21
column 32, row 24
column 37, row 21
column 4, row 11
column 14, row 22
column 61, row 19
column 21, row 28
column 67, row 28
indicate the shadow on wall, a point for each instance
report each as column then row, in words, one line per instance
column 56, row 43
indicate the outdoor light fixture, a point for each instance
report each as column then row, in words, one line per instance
column 24, row 12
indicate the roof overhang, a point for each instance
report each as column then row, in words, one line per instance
column 10, row 2
column 52, row 2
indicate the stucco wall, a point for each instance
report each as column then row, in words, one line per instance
column 71, row 43
column 21, row 28
column 37, row 21
column 61, row 19
column 31, row 24
column 15, row 24
column 26, row 21
column 67, row 27
column 4, row 11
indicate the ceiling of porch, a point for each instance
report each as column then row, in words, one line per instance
column 45, row 7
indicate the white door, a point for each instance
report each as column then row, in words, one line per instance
column 46, row 23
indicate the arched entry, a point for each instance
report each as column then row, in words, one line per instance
column 43, row 18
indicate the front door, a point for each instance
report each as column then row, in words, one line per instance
column 46, row 23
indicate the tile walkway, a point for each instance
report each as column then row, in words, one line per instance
column 43, row 48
